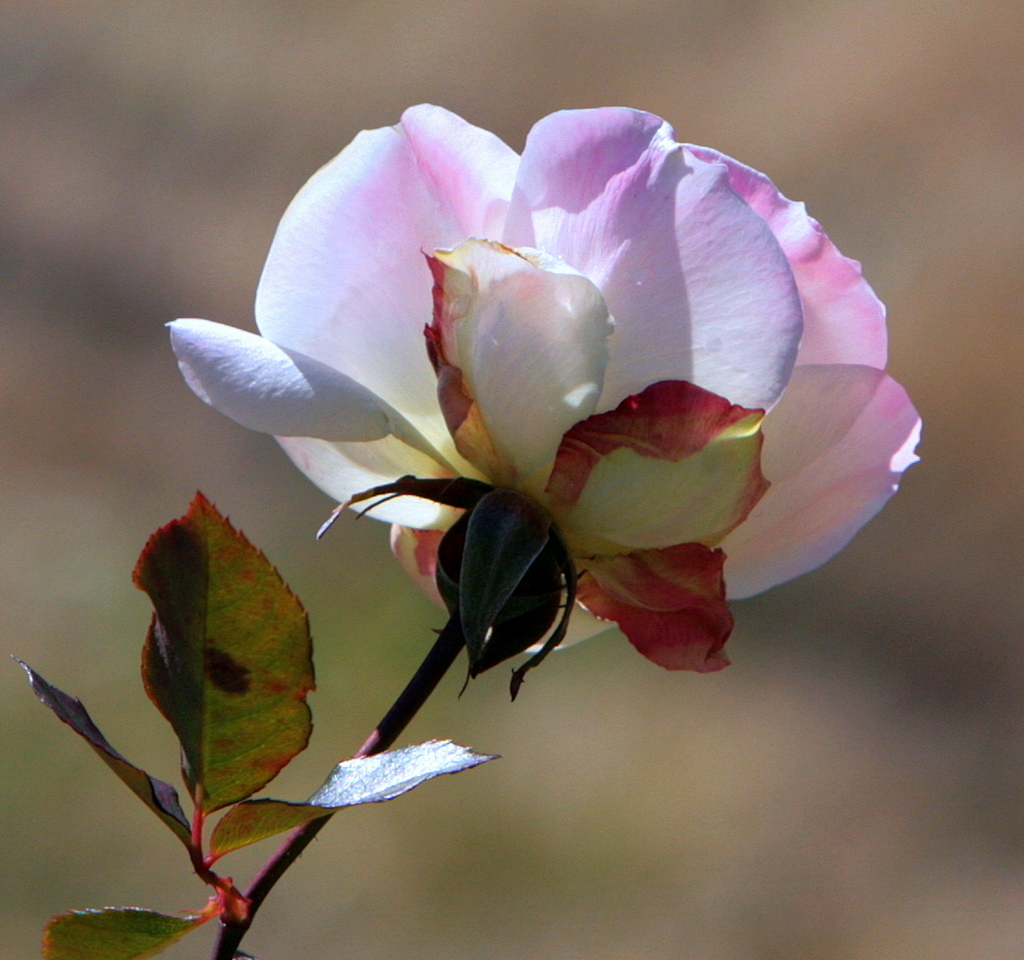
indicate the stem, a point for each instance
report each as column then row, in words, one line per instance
column 423, row 683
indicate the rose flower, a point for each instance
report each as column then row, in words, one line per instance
column 665, row 358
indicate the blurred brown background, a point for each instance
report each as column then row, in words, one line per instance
column 851, row 789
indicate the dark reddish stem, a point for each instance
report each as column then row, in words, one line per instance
column 232, row 906
column 441, row 656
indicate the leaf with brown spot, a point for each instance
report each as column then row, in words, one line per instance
column 228, row 656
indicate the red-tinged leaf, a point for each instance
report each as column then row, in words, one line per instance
column 128, row 933
column 256, row 820
column 228, row 656
column 160, row 797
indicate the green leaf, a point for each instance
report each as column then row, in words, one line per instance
column 114, row 934
column 506, row 533
column 363, row 780
column 389, row 775
column 256, row 820
column 228, row 656
column 160, row 797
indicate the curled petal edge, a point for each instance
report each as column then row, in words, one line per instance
column 810, row 515
column 844, row 321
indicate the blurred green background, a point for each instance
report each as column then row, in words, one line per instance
column 850, row 789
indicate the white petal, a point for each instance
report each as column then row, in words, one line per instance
column 268, row 388
column 698, row 285
column 834, row 449
column 344, row 469
column 346, row 280
column 530, row 337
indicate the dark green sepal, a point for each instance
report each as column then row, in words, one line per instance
column 528, row 613
column 502, row 568
column 461, row 492
column 562, row 556
column 505, row 534
column 451, row 492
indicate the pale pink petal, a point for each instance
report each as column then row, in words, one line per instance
column 673, row 464
column 416, row 551
column 519, row 341
column 345, row 280
column 834, row 450
column 342, row 470
column 844, row 322
column 669, row 603
column 699, row 288
column 264, row 387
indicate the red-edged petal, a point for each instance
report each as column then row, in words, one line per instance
column 844, row 322
column 669, row 603
column 673, row 464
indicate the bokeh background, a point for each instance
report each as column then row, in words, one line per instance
column 850, row 789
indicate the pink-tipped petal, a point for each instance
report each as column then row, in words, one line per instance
column 273, row 390
column 669, row 603
column 844, row 322
column 673, row 464
column 345, row 280
column 834, row 450
column 699, row 288
column 519, row 342
column 416, row 551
